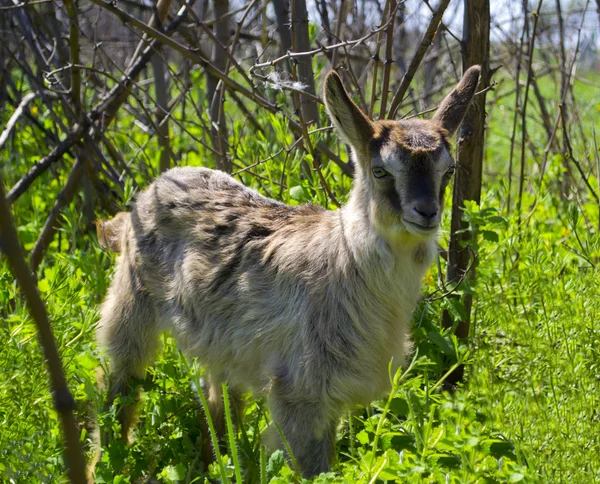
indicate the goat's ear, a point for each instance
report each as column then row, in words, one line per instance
column 454, row 107
column 350, row 122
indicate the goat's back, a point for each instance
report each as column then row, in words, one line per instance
column 245, row 282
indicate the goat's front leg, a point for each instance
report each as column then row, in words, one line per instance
column 308, row 431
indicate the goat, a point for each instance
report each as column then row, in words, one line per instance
column 303, row 304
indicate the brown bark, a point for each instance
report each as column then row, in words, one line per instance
column 161, row 84
column 215, row 91
column 282, row 14
column 301, row 41
column 469, row 160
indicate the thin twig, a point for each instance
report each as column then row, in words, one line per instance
column 536, row 17
column 321, row 49
column 15, row 117
column 41, row 166
column 428, row 37
column 64, row 198
column 387, row 63
column 377, row 61
column 572, row 157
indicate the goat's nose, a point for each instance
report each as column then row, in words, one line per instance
column 426, row 210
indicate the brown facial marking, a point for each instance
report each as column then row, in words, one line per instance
column 413, row 138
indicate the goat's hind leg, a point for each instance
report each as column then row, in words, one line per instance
column 128, row 331
column 212, row 389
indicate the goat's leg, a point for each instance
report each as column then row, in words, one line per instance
column 129, row 333
column 307, row 430
column 212, row 388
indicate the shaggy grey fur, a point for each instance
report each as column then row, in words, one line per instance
column 306, row 305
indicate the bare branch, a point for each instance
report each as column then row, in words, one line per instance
column 432, row 29
column 15, row 117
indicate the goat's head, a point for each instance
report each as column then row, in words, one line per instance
column 402, row 167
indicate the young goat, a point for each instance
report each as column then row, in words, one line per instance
column 306, row 305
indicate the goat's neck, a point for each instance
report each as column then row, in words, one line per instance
column 368, row 243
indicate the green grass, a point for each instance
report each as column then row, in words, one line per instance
column 529, row 411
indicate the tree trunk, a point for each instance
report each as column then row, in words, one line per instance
column 301, row 41
column 161, row 85
column 282, row 14
column 214, row 96
column 469, row 160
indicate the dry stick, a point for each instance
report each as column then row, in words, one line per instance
column 41, row 166
column 25, row 4
column 35, row 122
column 15, row 117
column 563, row 94
column 229, row 52
column 572, row 158
column 435, row 108
column 105, row 110
column 247, row 114
column 77, row 102
column 577, row 117
column 304, row 69
column 564, row 76
column 387, row 64
column 514, row 131
column 195, row 55
column 536, row 16
column 376, row 61
column 64, row 198
column 428, row 37
column 73, row 109
column 215, row 90
column 112, row 101
column 162, row 8
column 231, row 59
column 64, row 403
column 321, row 49
column 443, row 25
column 355, row 83
column 229, row 83
column 597, row 160
column 339, row 22
column 305, row 169
column 302, row 112
column 161, row 85
column 74, row 57
column 542, row 104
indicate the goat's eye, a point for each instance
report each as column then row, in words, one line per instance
column 450, row 171
column 379, row 172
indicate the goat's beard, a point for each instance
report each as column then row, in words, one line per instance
column 393, row 228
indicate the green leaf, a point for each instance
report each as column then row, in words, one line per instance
column 275, row 464
column 363, row 437
column 43, row 286
column 299, row 194
column 444, row 342
column 490, row 235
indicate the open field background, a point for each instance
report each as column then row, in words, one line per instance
column 527, row 408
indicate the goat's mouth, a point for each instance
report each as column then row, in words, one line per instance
column 419, row 229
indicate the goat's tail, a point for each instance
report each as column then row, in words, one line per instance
column 110, row 232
